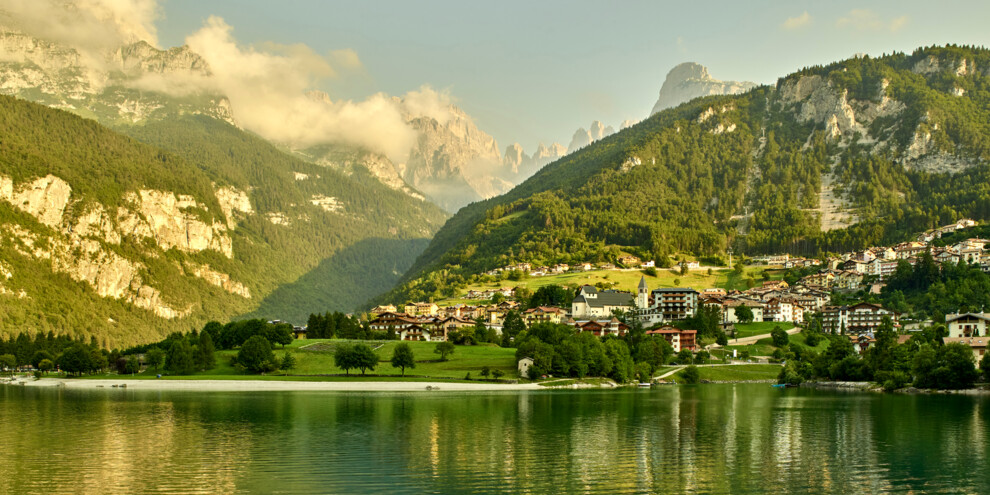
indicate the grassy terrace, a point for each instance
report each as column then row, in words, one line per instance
column 743, row 372
column 764, row 347
column 629, row 280
column 314, row 360
column 744, row 330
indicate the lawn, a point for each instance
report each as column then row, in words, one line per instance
column 628, row 280
column 737, row 372
column 758, row 328
column 764, row 347
column 315, row 358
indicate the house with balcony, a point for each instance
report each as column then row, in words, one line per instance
column 967, row 324
column 677, row 338
column 857, row 319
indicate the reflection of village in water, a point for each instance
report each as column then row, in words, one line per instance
column 740, row 439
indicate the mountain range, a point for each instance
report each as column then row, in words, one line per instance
column 830, row 158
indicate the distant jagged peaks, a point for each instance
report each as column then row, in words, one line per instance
column 689, row 80
column 520, row 165
column 583, row 137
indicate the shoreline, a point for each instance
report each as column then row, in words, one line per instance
column 872, row 387
column 271, row 385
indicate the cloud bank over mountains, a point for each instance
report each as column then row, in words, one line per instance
column 269, row 85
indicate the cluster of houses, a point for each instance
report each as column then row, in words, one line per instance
column 626, row 261
column 593, row 310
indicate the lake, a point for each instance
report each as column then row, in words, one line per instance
column 691, row 439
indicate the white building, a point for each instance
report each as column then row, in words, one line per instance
column 967, row 324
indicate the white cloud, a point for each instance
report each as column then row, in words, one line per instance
column 270, row 86
column 87, row 24
column 868, row 20
column 793, row 23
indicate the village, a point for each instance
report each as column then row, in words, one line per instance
column 663, row 310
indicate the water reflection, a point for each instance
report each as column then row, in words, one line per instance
column 739, row 439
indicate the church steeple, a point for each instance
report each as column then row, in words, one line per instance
column 643, row 296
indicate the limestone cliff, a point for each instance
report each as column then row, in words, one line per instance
column 125, row 89
column 80, row 244
column 517, row 165
column 688, row 81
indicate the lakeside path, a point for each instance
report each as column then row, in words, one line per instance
column 277, row 385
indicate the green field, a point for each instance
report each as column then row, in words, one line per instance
column 628, row 280
column 742, row 372
column 744, row 330
column 764, row 347
column 314, row 358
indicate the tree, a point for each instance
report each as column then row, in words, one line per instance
column 132, row 365
column 46, row 365
column 744, row 313
column 76, row 359
column 702, row 357
column 444, row 349
column 8, row 362
column 205, row 356
column 402, row 357
column 486, row 372
column 985, row 367
column 364, row 358
column 180, row 358
column 691, row 374
column 343, row 358
column 685, row 356
column 256, row 355
column 155, row 357
column 550, row 295
column 41, row 356
column 279, row 334
column 288, row 362
column 511, row 327
column 684, row 268
column 497, row 374
column 779, row 337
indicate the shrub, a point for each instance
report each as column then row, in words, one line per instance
column 691, row 375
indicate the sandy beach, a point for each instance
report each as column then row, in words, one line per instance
column 274, row 385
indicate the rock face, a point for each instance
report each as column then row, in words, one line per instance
column 519, row 165
column 454, row 162
column 688, row 81
column 78, row 246
column 57, row 76
column 583, row 137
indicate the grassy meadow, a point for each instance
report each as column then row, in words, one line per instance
column 314, row 361
column 628, row 280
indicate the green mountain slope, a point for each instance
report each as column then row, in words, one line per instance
column 104, row 236
column 831, row 158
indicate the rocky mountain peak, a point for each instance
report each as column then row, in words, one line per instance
column 690, row 80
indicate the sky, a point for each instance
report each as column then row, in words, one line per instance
column 531, row 71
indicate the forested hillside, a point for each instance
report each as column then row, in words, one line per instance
column 831, row 158
column 103, row 236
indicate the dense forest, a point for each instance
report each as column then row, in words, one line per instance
column 748, row 172
column 192, row 156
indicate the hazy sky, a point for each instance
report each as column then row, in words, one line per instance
column 537, row 70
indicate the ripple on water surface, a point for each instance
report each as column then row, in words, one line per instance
column 706, row 439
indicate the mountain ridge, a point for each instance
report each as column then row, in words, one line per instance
column 855, row 142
